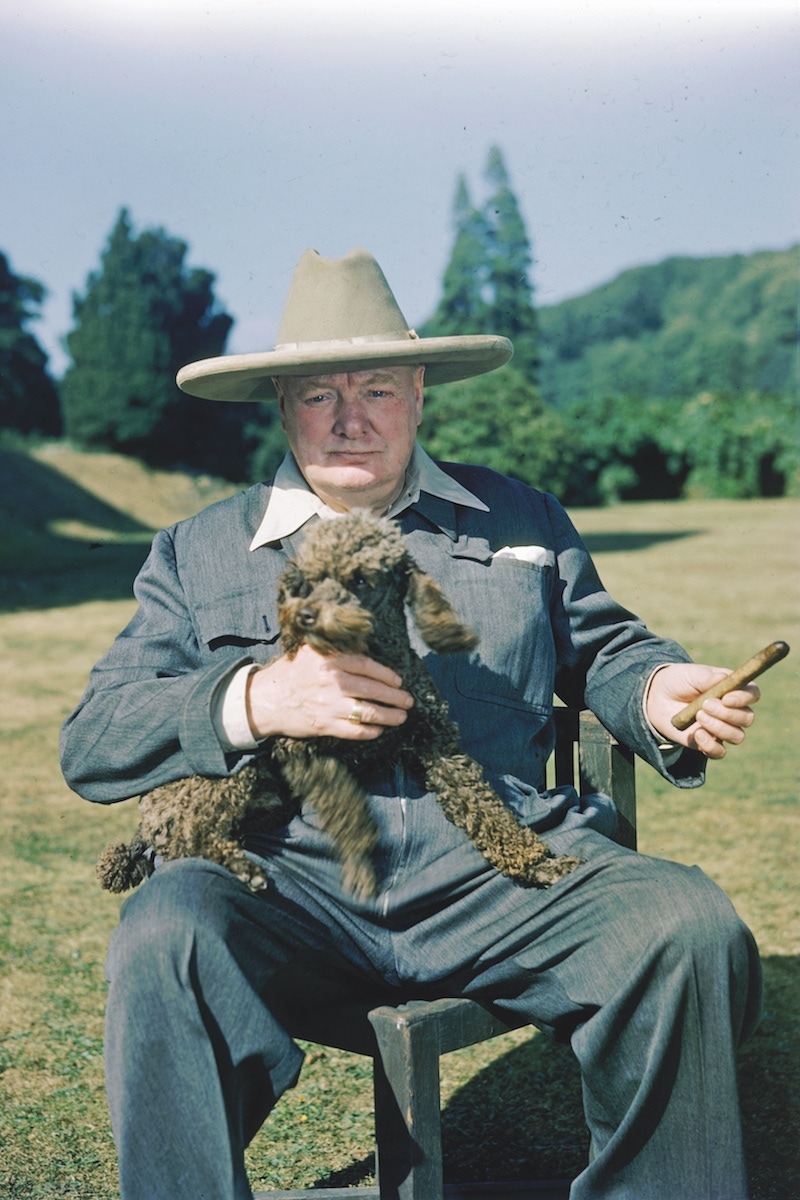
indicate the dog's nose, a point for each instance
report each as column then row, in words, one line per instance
column 307, row 615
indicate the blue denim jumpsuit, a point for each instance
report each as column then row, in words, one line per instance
column 641, row 965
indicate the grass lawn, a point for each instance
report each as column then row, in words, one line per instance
column 720, row 576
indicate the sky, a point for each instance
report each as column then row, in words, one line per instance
column 253, row 129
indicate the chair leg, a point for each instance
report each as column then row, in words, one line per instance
column 408, row 1127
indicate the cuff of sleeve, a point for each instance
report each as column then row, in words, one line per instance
column 199, row 738
column 670, row 751
column 229, row 711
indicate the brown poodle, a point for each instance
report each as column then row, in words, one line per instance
column 346, row 592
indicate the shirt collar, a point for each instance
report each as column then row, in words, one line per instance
column 292, row 503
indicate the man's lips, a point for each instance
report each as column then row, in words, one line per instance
column 351, row 455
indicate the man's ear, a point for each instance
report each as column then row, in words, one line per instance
column 440, row 625
column 277, row 383
column 419, row 391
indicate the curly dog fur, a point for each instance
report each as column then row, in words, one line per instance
column 346, row 592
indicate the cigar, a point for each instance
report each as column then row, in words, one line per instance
column 753, row 667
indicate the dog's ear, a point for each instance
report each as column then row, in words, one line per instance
column 293, row 583
column 438, row 622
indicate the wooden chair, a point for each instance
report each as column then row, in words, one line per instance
column 411, row 1038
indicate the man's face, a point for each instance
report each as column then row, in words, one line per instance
column 352, row 434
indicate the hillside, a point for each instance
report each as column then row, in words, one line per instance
column 77, row 524
column 680, row 327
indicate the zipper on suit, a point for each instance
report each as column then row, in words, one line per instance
column 400, row 848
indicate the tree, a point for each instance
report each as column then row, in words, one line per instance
column 511, row 309
column 486, row 286
column 28, row 396
column 267, row 441
column 740, row 446
column 624, row 450
column 143, row 315
column 499, row 421
column 463, row 306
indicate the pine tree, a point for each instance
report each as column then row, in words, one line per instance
column 143, row 315
column 28, row 396
column 486, row 286
column 463, row 306
column 512, row 312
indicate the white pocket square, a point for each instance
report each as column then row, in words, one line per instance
column 530, row 554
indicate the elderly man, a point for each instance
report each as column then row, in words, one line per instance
column 640, row 964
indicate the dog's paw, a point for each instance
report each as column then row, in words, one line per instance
column 252, row 875
column 550, row 870
column 247, row 870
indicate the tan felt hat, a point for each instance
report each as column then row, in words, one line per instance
column 341, row 315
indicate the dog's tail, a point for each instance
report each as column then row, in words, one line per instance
column 122, row 866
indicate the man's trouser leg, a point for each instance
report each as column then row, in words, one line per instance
column 195, row 1059
column 643, row 965
column 655, row 982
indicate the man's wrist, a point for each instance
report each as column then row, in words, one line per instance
column 670, row 751
column 229, row 713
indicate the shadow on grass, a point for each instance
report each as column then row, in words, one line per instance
column 35, row 494
column 92, row 571
column 519, row 1119
column 522, row 1118
column 769, row 1081
column 40, row 568
column 356, row 1174
column 626, row 541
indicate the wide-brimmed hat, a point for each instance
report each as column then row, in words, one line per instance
column 340, row 314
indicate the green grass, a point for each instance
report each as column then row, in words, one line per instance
column 721, row 576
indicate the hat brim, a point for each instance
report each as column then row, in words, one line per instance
column 248, row 377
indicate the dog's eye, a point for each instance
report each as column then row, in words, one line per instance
column 359, row 583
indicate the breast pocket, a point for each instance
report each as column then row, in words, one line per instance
column 239, row 622
column 507, row 602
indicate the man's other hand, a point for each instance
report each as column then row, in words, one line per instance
column 718, row 723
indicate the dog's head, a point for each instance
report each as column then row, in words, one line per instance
column 353, row 575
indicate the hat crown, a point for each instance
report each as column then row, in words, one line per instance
column 339, row 300
column 341, row 315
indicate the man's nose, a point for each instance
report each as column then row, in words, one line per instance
column 351, row 416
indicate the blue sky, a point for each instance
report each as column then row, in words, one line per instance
column 253, row 129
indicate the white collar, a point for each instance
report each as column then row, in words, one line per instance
column 292, row 503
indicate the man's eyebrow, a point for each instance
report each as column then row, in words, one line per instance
column 380, row 377
column 308, row 383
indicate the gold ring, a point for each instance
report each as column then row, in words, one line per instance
column 357, row 715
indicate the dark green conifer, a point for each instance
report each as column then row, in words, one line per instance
column 28, row 396
column 486, row 286
column 143, row 315
column 511, row 310
column 463, row 306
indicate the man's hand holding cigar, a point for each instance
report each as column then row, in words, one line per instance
column 707, row 708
